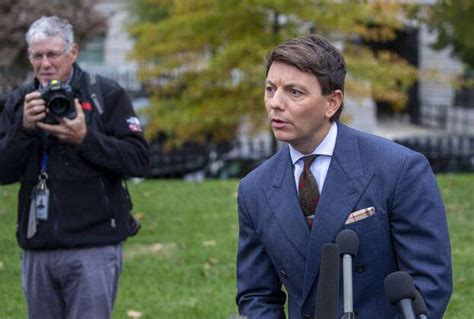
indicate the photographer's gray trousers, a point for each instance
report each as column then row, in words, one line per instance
column 71, row 283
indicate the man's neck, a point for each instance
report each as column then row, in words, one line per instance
column 311, row 146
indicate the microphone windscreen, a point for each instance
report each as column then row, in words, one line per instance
column 327, row 298
column 398, row 286
column 419, row 304
column 348, row 242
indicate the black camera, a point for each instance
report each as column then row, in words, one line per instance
column 59, row 102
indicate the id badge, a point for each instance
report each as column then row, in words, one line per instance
column 32, row 221
column 42, row 201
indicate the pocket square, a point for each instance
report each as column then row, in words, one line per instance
column 360, row 215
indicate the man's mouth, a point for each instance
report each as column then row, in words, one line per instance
column 278, row 123
column 277, row 120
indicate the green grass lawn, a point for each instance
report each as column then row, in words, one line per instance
column 182, row 264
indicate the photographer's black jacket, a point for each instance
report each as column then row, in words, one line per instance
column 88, row 204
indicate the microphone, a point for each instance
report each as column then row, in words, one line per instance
column 327, row 297
column 419, row 306
column 400, row 291
column 348, row 243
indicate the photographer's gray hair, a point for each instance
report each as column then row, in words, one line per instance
column 48, row 27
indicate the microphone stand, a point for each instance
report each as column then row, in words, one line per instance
column 348, row 291
column 348, row 242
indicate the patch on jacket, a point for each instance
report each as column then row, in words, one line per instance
column 86, row 106
column 134, row 124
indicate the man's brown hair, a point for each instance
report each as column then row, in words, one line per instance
column 315, row 55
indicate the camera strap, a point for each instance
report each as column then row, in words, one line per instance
column 94, row 91
column 95, row 94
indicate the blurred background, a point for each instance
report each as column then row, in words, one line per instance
column 195, row 71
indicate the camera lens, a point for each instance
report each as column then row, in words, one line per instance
column 58, row 105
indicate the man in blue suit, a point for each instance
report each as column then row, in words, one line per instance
column 384, row 192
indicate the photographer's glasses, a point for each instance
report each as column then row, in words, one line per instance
column 50, row 56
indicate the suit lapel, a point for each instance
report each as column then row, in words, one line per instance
column 283, row 202
column 345, row 183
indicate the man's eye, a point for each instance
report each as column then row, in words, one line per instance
column 52, row 55
column 295, row 93
column 269, row 89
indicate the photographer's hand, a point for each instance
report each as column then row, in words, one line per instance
column 69, row 131
column 34, row 110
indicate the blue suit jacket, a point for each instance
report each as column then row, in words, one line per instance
column 407, row 232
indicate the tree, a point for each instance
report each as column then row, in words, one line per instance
column 453, row 21
column 17, row 15
column 203, row 60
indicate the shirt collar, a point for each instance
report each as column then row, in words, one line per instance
column 326, row 147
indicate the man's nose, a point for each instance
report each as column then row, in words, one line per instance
column 45, row 61
column 277, row 100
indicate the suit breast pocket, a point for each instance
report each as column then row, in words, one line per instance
column 368, row 231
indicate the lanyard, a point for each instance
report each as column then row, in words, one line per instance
column 44, row 162
column 44, row 158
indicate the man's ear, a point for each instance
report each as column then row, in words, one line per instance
column 74, row 52
column 334, row 102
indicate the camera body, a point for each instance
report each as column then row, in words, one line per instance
column 59, row 102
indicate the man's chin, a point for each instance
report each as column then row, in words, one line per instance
column 280, row 136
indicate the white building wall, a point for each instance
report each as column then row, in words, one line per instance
column 117, row 42
column 438, row 70
column 117, row 46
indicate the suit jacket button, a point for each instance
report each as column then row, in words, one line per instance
column 359, row 268
column 283, row 273
column 307, row 317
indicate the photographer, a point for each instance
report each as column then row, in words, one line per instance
column 70, row 139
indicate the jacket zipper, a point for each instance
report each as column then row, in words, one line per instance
column 58, row 210
column 107, row 204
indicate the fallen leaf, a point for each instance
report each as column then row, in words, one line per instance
column 1, row 265
column 139, row 215
column 134, row 314
column 156, row 247
column 209, row 243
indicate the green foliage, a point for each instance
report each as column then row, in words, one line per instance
column 204, row 61
column 148, row 11
column 454, row 23
column 182, row 263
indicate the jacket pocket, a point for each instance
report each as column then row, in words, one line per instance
column 368, row 232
